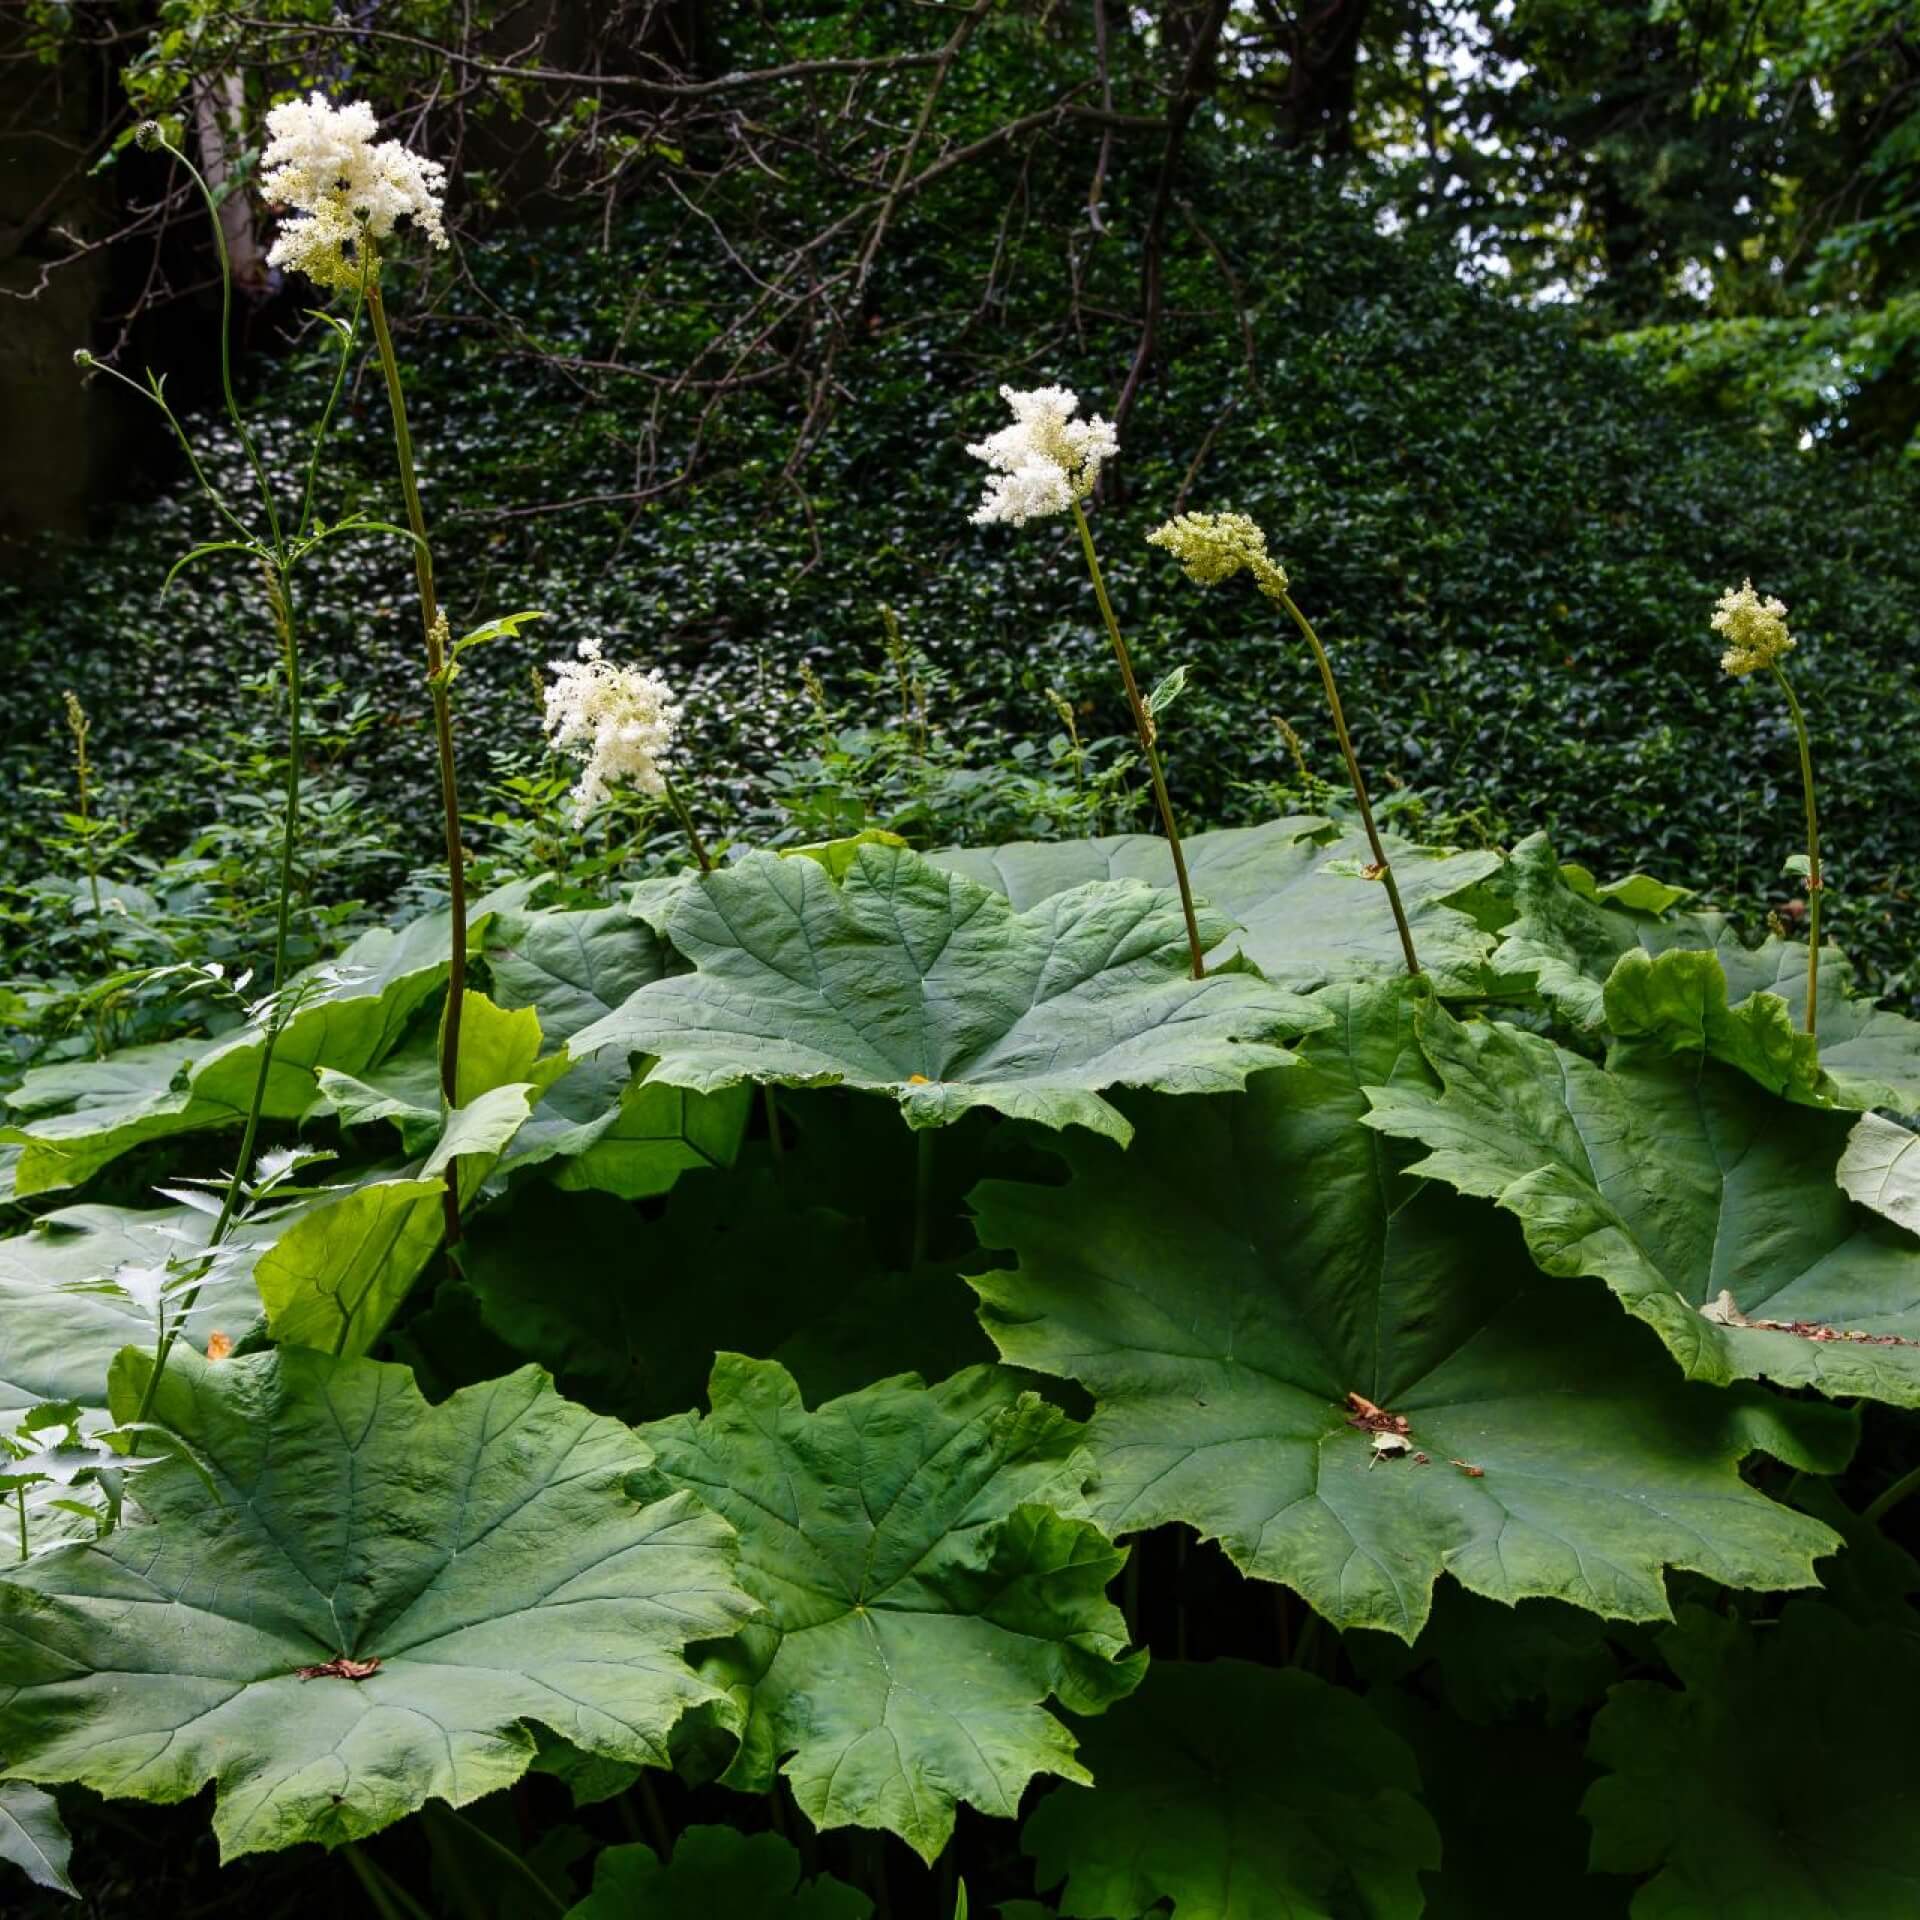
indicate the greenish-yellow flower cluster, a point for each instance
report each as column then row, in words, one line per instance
column 1755, row 630
column 1215, row 546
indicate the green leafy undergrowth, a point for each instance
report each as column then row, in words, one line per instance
column 716, row 1871
column 1758, row 1787
column 1236, row 1792
column 333, row 1662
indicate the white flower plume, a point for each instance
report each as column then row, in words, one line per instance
column 617, row 721
column 1045, row 461
column 345, row 186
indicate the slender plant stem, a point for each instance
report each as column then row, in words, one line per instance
column 681, row 813
column 226, row 351
column 771, row 1107
column 1815, row 885
column 922, row 1194
column 390, row 1900
column 434, row 628
column 657, row 1829
column 1383, row 866
column 347, row 340
column 1143, row 726
column 1908, row 1482
column 509, row 1864
column 280, row 595
column 20, row 1497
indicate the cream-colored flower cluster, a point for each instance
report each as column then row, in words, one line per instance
column 617, row 721
column 346, row 187
column 1215, row 546
column 1046, row 461
column 1755, row 630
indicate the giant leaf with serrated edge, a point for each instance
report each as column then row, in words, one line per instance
column 918, row 983
column 1225, row 1286
column 928, row 1582
column 484, row 1553
column 1769, row 1785
column 1709, row 1207
column 605, row 1128
column 1236, row 1792
column 1306, row 912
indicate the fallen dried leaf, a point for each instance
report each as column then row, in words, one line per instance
column 341, row 1667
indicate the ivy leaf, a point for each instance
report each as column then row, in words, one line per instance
column 928, row 1583
column 717, row 1874
column 440, row 1575
column 611, row 1132
column 34, row 1837
column 1707, row 1206
column 1305, row 914
column 917, row 983
column 1757, row 1789
column 1237, row 1792
column 1250, row 1265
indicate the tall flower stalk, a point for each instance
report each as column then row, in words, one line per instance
column 276, row 547
column 1755, row 631
column 1216, row 546
column 1048, row 463
column 346, row 191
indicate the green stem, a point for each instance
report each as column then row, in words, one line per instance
column 1815, row 885
column 226, row 350
column 390, row 1900
column 1382, row 864
column 280, row 592
column 685, row 818
column 333, row 401
column 20, row 1495
column 656, row 1817
column 1143, row 726
column 922, row 1193
column 1908, row 1482
column 511, row 1866
column 771, row 1105
column 442, row 726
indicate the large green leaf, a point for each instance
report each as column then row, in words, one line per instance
column 716, row 1874
column 484, row 1552
column 1709, row 1207
column 1769, row 1784
column 335, row 1277
column 1573, row 943
column 928, row 1585
column 608, row 1130
column 58, row 1340
column 1237, row 1792
column 1249, row 1264
column 34, row 1837
column 731, row 1264
column 918, row 983
column 1306, row 913
column 1881, row 1169
column 349, row 1013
